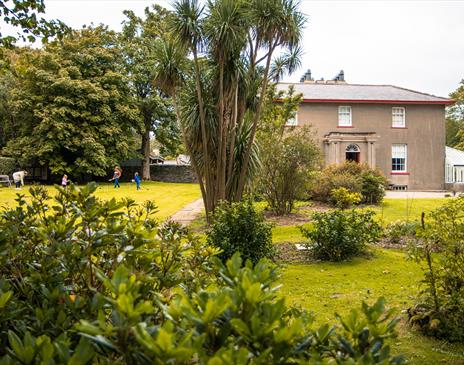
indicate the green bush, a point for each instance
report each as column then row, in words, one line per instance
column 343, row 198
column 398, row 231
column 7, row 165
column 238, row 227
column 85, row 281
column 341, row 234
column 357, row 178
column 439, row 310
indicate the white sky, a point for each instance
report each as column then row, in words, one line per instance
column 414, row 44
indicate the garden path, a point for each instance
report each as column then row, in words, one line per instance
column 188, row 213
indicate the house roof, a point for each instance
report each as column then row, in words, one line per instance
column 357, row 93
column 454, row 157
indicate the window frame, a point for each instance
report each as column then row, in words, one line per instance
column 403, row 124
column 350, row 115
column 405, row 168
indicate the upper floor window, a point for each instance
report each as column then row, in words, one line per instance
column 398, row 117
column 344, row 116
column 292, row 121
column 399, row 157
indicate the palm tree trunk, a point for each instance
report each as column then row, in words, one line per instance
column 189, row 151
column 221, row 189
column 232, row 145
column 209, row 188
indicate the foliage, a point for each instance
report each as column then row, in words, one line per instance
column 455, row 119
column 341, row 234
column 220, row 96
column 87, row 281
column 397, row 231
column 357, row 178
column 342, row 198
column 238, row 227
column 288, row 156
column 7, row 165
column 138, row 40
column 439, row 310
column 23, row 14
column 72, row 104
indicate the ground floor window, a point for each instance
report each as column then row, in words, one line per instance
column 399, row 157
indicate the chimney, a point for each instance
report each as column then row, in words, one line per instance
column 340, row 78
column 307, row 77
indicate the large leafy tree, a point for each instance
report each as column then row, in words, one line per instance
column 25, row 16
column 74, row 104
column 138, row 39
column 232, row 45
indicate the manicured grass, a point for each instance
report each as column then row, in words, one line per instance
column 326, row 288
column 407, row 209
column 169, row 197
column 286, row 234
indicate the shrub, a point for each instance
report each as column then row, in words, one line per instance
column 288, row 155
column 398, row 231
column 90, row 282
column 439, row 310
column 339, row 234
column 238, row 227
column 357, row 178
column 373, row 186
column 7, row 165
column 343, row 198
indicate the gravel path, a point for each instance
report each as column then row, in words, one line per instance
column 414, row 194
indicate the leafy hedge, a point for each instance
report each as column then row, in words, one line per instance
column 7, row 165
column 91, row 282
column 356, row 178
column 341, row 234
column 238, row 227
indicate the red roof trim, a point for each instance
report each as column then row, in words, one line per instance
column 444, row 102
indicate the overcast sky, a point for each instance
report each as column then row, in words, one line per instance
column 413, row 44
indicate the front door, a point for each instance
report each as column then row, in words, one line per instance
column 352, row 153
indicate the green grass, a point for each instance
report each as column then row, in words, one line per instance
column 406, row 209
column 169, row 197
column 326, row 288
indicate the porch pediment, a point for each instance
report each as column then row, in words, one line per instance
column 351, row 137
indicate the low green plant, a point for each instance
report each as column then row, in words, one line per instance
column 439, row 310
column 342, row 198
column 401, row 230
column 341, row 234
column 239, row 227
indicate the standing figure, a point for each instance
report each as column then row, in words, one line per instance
column 18, row 178
column 116, row 175
column 64, row 181
column 137, row 180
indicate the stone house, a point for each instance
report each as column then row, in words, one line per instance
column 400, row 131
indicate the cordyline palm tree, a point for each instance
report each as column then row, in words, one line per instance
column 219, row 91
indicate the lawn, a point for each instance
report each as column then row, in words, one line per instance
column 169, row 197
column 391, row 210
column 326, row 288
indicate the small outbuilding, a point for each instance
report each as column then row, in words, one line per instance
column 454, row 167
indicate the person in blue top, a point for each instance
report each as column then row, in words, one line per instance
column 137, row 180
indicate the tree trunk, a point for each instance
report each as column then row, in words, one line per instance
column 146, row 154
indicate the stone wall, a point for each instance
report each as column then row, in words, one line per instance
column 165, row 173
